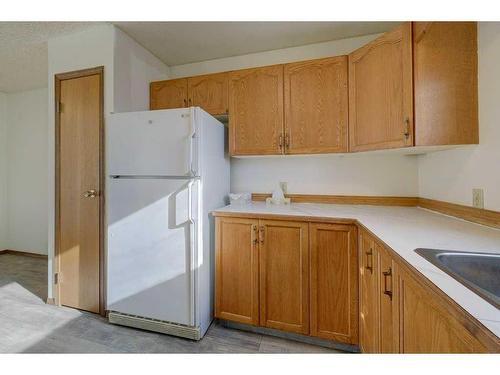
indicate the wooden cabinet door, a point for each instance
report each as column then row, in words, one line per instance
column 168, row 94
column 369, row 317
column 381, row 92
column 237, row 270
column 209, row 92
column 284, row 275
column 334, row 282
column 445, row 66
column 256, row 111
column 316, row 112
column 389, row 302
column 428, row 325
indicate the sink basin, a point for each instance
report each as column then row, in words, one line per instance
column 480, row 272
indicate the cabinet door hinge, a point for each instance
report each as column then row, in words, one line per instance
column 59, row 107
column 56, row 278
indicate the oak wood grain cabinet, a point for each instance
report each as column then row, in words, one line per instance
column 430, row 325
column 316, row 110
column 168, row 94
column 334, row 282
column 284, row 275
column 237, row 266
column 256, row 111
column 369, row 307
column 381, row 92
column 445, row 74
column 209, row 92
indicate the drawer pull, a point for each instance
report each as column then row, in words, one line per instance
column 255, row 240
column 387, row 274
column 369, row 260
column 262, row 235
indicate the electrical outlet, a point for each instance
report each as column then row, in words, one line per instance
column 478, row 198
column 284, row 187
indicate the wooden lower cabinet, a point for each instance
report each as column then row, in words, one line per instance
column 428, row 324
column 334, row 282
column 237, row 265
column 284, row 275
column 369, row 314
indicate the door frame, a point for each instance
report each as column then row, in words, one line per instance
column 58, row 78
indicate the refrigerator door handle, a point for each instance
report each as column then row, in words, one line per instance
column 192, row 136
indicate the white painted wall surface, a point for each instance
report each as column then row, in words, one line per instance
column 27, row 171
column 3, row 172
column 451, row 175
column 363, row 174
column 134, row 68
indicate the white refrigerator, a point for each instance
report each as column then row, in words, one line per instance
column 166, row 171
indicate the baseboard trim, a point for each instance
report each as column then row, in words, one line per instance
column 291, row 336
column 23, row 253
column 476, row 215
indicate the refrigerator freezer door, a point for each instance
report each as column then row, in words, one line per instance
column 153, row 143
column 150, row 249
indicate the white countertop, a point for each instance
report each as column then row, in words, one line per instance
column 405, row 229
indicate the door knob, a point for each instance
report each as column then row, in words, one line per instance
column 90, row 194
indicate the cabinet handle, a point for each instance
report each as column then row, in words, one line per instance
column 190, row 102
column 262, row 234
column 255, row 240
column 387, row 274
column 185, row 103
column 287, row 141
column 407, row 128
column 280, row 142
column 369, row 256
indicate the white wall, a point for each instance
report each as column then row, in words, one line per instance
column 134, row 68
column 3, row 172
column 27, row 171
column 451, row 175
column 359, row 174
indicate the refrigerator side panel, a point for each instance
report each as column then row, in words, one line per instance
column 215, row 183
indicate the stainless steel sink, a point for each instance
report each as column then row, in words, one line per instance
column 480, row 272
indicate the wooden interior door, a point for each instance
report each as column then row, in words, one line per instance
column 427, row 325
column 334, row 282
column 369, row 332
column 209, row 92
column 79, row 152
column 237, row 270
column 284, row 275
column 256, row 111
column 445, row 71
column 389, row 302
column 316, row 111
column 168, row 94
column 381, row 92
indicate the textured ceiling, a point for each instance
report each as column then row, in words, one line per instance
column 23, row 45
column 178, row 43
column 23, row 52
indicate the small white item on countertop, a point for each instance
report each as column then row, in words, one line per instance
column 240, row 198
column 278, row 197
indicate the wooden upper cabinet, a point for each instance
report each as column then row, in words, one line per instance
column 446, row 93
column 284, row 275
column 381, row 92
column 369, row 315
column 316, row 111
column 256, row 111
column 168, row 94
column 429, row 325
column 334, row 282
column 209, row 92
column 237, row 270
column 389, row 301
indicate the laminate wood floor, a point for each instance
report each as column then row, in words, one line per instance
column 28, row 325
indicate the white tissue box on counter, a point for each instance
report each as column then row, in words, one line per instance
column 240, row 198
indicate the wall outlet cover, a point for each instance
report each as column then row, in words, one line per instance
column 478, row 198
